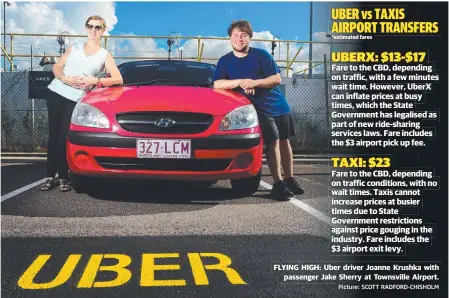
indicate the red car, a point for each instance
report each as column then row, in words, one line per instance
column 166, row 122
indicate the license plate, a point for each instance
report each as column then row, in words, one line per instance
column 163, row 148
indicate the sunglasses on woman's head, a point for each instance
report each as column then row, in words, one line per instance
column 90, row 27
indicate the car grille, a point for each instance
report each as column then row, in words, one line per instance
column 188, row 165
column 146, row 122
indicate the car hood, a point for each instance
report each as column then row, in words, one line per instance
column 165, row 98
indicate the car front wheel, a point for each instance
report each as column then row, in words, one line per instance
column 80, row 184
column 246, row 186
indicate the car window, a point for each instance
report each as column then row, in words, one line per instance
column 167, row 72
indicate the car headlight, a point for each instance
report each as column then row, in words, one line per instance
column 87, row 115
column 240, row 118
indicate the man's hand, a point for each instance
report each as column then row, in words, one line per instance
column 227, row 84
column 250, row 91
column 248, row 84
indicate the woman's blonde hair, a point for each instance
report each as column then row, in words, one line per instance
column 98, row 18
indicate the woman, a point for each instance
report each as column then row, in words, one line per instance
column 75, row 72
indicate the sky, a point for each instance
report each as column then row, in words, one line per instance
column 285, row 20
column 212, row 18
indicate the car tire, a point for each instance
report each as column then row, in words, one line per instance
column 80, row 184
column 246, row 186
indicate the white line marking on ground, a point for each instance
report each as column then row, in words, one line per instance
column 318, row 214
column 23, row 189
column 309, row 209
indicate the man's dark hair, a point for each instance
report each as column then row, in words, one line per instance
column 243, row 26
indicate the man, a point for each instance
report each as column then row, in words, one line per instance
column 254, row 72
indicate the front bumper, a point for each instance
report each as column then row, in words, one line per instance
column 217, row 157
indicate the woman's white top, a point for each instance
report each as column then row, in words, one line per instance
column 78, row 64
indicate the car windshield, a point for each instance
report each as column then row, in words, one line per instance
column 184, row 73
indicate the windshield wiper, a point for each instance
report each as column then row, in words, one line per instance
column 152, row 82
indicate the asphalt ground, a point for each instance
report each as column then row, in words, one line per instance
column 141, row 225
